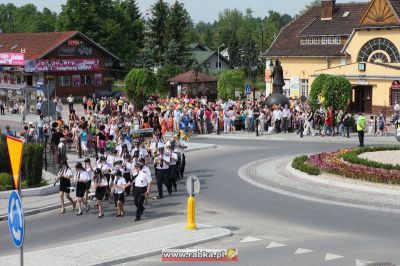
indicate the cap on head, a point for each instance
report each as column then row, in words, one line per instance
column 102, row 158
column 87, row 160
column 97, row 171
column 139, row 165
column 78, row 165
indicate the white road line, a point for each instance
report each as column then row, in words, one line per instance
column 362, row 262
column 330, row 256
column 249, row 239
column 302, row 251
column 275, row 245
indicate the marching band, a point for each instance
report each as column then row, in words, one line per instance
column 125, row 169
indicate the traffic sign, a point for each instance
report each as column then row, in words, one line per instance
column 248, row 89
column 48, row 108
column 193, row 185
column 16, row 223
column 15, row 149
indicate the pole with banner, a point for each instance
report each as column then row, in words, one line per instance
column 16, row 221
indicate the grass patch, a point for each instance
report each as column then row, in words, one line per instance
column 300, row 163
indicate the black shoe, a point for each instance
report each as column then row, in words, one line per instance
column 160, row 197
column 88, row 208
column 79, row 213
column 137, row 219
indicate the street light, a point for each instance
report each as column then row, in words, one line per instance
column 222, row 45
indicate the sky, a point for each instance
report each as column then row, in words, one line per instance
column 202, row 10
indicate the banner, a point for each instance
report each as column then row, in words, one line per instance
column 76, row 80
column 66, row 65
column 12, row 59
column 98, row 79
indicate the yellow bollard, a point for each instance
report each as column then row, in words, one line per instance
column 191, row 212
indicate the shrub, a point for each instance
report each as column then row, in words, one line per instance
column 5, row 181
column 33, row 164
column 5, row 166
column 352, row 157
column 301, row 164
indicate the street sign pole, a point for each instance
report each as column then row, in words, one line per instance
column 193, row 188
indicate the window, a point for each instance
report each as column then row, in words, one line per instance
column 346, row 14
column 303, row 41
column 220, row 64
column 19, row 80
column 394, row 96
column 64, row 81
column 330, row 40
column 379, row 50
column 316, row 40
column 324, row 40
column 304, row 87
column 86, row 80
column 309, row 40
column 337, row 39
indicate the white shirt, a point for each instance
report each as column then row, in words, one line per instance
column 143, row 179
column 286, row 113
column 277, row 114
column 103, row 167
column 66, row 172
column 81, row 176
column 174, row 158
column 100, row 181
column 89, row 173
column 120, row 182
column 161, row 164
column 70, row 99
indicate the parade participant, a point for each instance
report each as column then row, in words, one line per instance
column 161, row 164
column 106, row 171
column 64, row 176
column 172, row 165
column 142, row 187
column 182, row 146
column 100, row 184
column 119, row 188
column 90, row 174
column 126, row 171
column 80, row 179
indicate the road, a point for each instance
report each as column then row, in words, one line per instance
column 228, row 201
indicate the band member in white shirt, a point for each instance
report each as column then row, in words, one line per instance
column 100, row 183
column 172, row 165
column 106, row 170
column 119, row 188
column 64, row 176
column 182, row 146
column 90, row 173
column 142, row 187
column 126, row 172
column 80, row 179
column 161, row 164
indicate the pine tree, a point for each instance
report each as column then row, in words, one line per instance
column 158, row 28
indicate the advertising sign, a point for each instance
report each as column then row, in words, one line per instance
column 76, row 80
column 98, row 79
column 12, row 59
column 67, row 65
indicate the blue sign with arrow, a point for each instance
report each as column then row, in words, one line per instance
column 248, row 89
column 16, row 223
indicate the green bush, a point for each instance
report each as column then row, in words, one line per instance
column 5, row 166
column 5, row 181
column 32, row 164
column 300, row 163
column 352, row 157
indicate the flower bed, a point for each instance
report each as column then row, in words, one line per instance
column 352, row 157
column 333, row 163
column 300, row 163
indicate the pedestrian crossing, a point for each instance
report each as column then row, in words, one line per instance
column 285, row 250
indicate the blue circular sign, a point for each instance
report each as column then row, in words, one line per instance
column 16, row 223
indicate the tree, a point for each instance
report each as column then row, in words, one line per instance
column 328, row 90
column 228, row 82
column 158, row 29
column 139, row 84
column 164, row 73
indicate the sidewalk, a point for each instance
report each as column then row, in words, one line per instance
column 278, row 176
column 121, row 248
column 38, row 204
column 369, row 139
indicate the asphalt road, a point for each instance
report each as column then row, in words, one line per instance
column 228, row 201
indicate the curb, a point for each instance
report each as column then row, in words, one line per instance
column 151, row 253
column 37, row 210
column 212, row 146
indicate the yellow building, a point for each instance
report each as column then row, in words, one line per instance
column 360, row 41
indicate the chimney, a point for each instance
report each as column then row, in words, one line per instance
column 327, row 9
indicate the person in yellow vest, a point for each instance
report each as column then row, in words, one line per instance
column 360, row 129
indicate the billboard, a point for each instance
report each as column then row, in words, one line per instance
column 55, row 65
column 12, row 59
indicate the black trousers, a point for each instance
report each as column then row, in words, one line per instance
column 182, row 166
column 71, row 106
column 173, row 175
column 162, row 176
column 361, row 137
column 2, row 110
column 138, row 196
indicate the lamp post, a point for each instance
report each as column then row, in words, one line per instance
column 218, row 62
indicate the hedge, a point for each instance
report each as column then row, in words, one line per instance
column 5, row 181
column 301, row 164
column 352, row 157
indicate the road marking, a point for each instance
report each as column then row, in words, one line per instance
column 362, row 262
column 302, row 251
column 330, row 256
column 249, row 239
column 275, row 245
